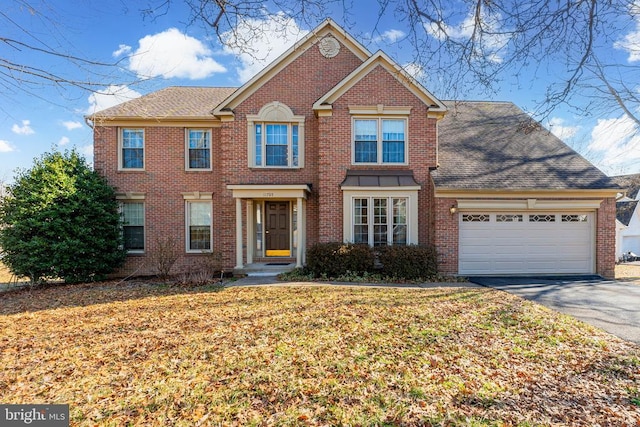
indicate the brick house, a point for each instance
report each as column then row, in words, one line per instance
column 333, row 143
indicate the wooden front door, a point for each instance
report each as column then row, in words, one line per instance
column 277, row 229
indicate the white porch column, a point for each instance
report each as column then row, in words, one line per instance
column 301, row 232
column 251, row 235
column 239, row 234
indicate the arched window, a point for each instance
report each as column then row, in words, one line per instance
column 276, row 137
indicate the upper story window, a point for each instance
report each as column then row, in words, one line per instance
column 276, row 138
column 198, row 149
column 379, row 141
column 132, row 149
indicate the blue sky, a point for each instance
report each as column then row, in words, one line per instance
column 154, row 53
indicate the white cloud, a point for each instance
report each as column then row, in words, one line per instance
column 6, row 147
column 72, row 125
column 172, row 54
column 390, row 36
column 415, row 70
column 113, row 95
column 631, row 41
column 258, row 42
column 488, row 42
column 562, row 131
column 63, row 141
column 25, row 129
column 123, row 49
column 616, row 142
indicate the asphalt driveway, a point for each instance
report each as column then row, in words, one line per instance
column 607, row 304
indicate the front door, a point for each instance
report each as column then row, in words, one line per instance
column 277, row 229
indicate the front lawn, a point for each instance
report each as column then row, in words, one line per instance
column 137, row 354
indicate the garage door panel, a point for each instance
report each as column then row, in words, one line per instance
column 518, row 244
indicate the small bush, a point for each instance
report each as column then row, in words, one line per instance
column 164, row 255
column 338, row 259
column 410, row 262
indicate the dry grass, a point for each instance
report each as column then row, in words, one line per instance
column 134, row 354
column 628, row 271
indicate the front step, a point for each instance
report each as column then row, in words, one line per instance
column 265, row 269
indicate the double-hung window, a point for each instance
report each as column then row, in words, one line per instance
column 133, row 225
column 379, row 141
column 380, row 221
column 276, row 145
column 132, row 149
column 276, row 137
column 198, row 149
column 198, row 226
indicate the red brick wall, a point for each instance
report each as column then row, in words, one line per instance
column 606, row 238
column 163, row 181
column 378, row 87
column 446, row 236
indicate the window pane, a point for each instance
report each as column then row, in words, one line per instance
column 294, row 145
column 276, row 155
column 200, row 213
column 132, row 148
column 199, row 225
column 133, row 225
column 276, row 135
column 199, row 149
column 360, row 221
column 133, row 238
column 276, row 145
column 393, row 141
column 366, row 141
column 400, row 221
column 258, row 145
column 380, row 222
column 199, row 237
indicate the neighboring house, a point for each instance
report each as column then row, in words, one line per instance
column 628, row 217
column 334, row 143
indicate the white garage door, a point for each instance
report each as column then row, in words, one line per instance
column 526, row 243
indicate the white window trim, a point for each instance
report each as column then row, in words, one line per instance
column 412, row 209
column 186, row 150
column 379, row 118
column 197, row 196
column 120, row 148
column 133, row 197
column 275, row 113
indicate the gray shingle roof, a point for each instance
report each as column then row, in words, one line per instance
column 629, row 183
column 174, row 101
column 496, row 145
column 624, row 211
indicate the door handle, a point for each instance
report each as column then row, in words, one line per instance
column 266, row 232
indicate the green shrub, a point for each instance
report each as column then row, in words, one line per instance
column 61, row 220
column 408, row 262
column 337, row 259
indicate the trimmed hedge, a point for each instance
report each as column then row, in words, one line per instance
column 335, row 259
column 408, row 262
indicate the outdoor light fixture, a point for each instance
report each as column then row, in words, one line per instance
column 453, row 209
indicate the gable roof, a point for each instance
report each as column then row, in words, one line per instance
column 328, row 26
column 497, row 146
column 379, row 59
column 180, row 102
column 625, row 210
